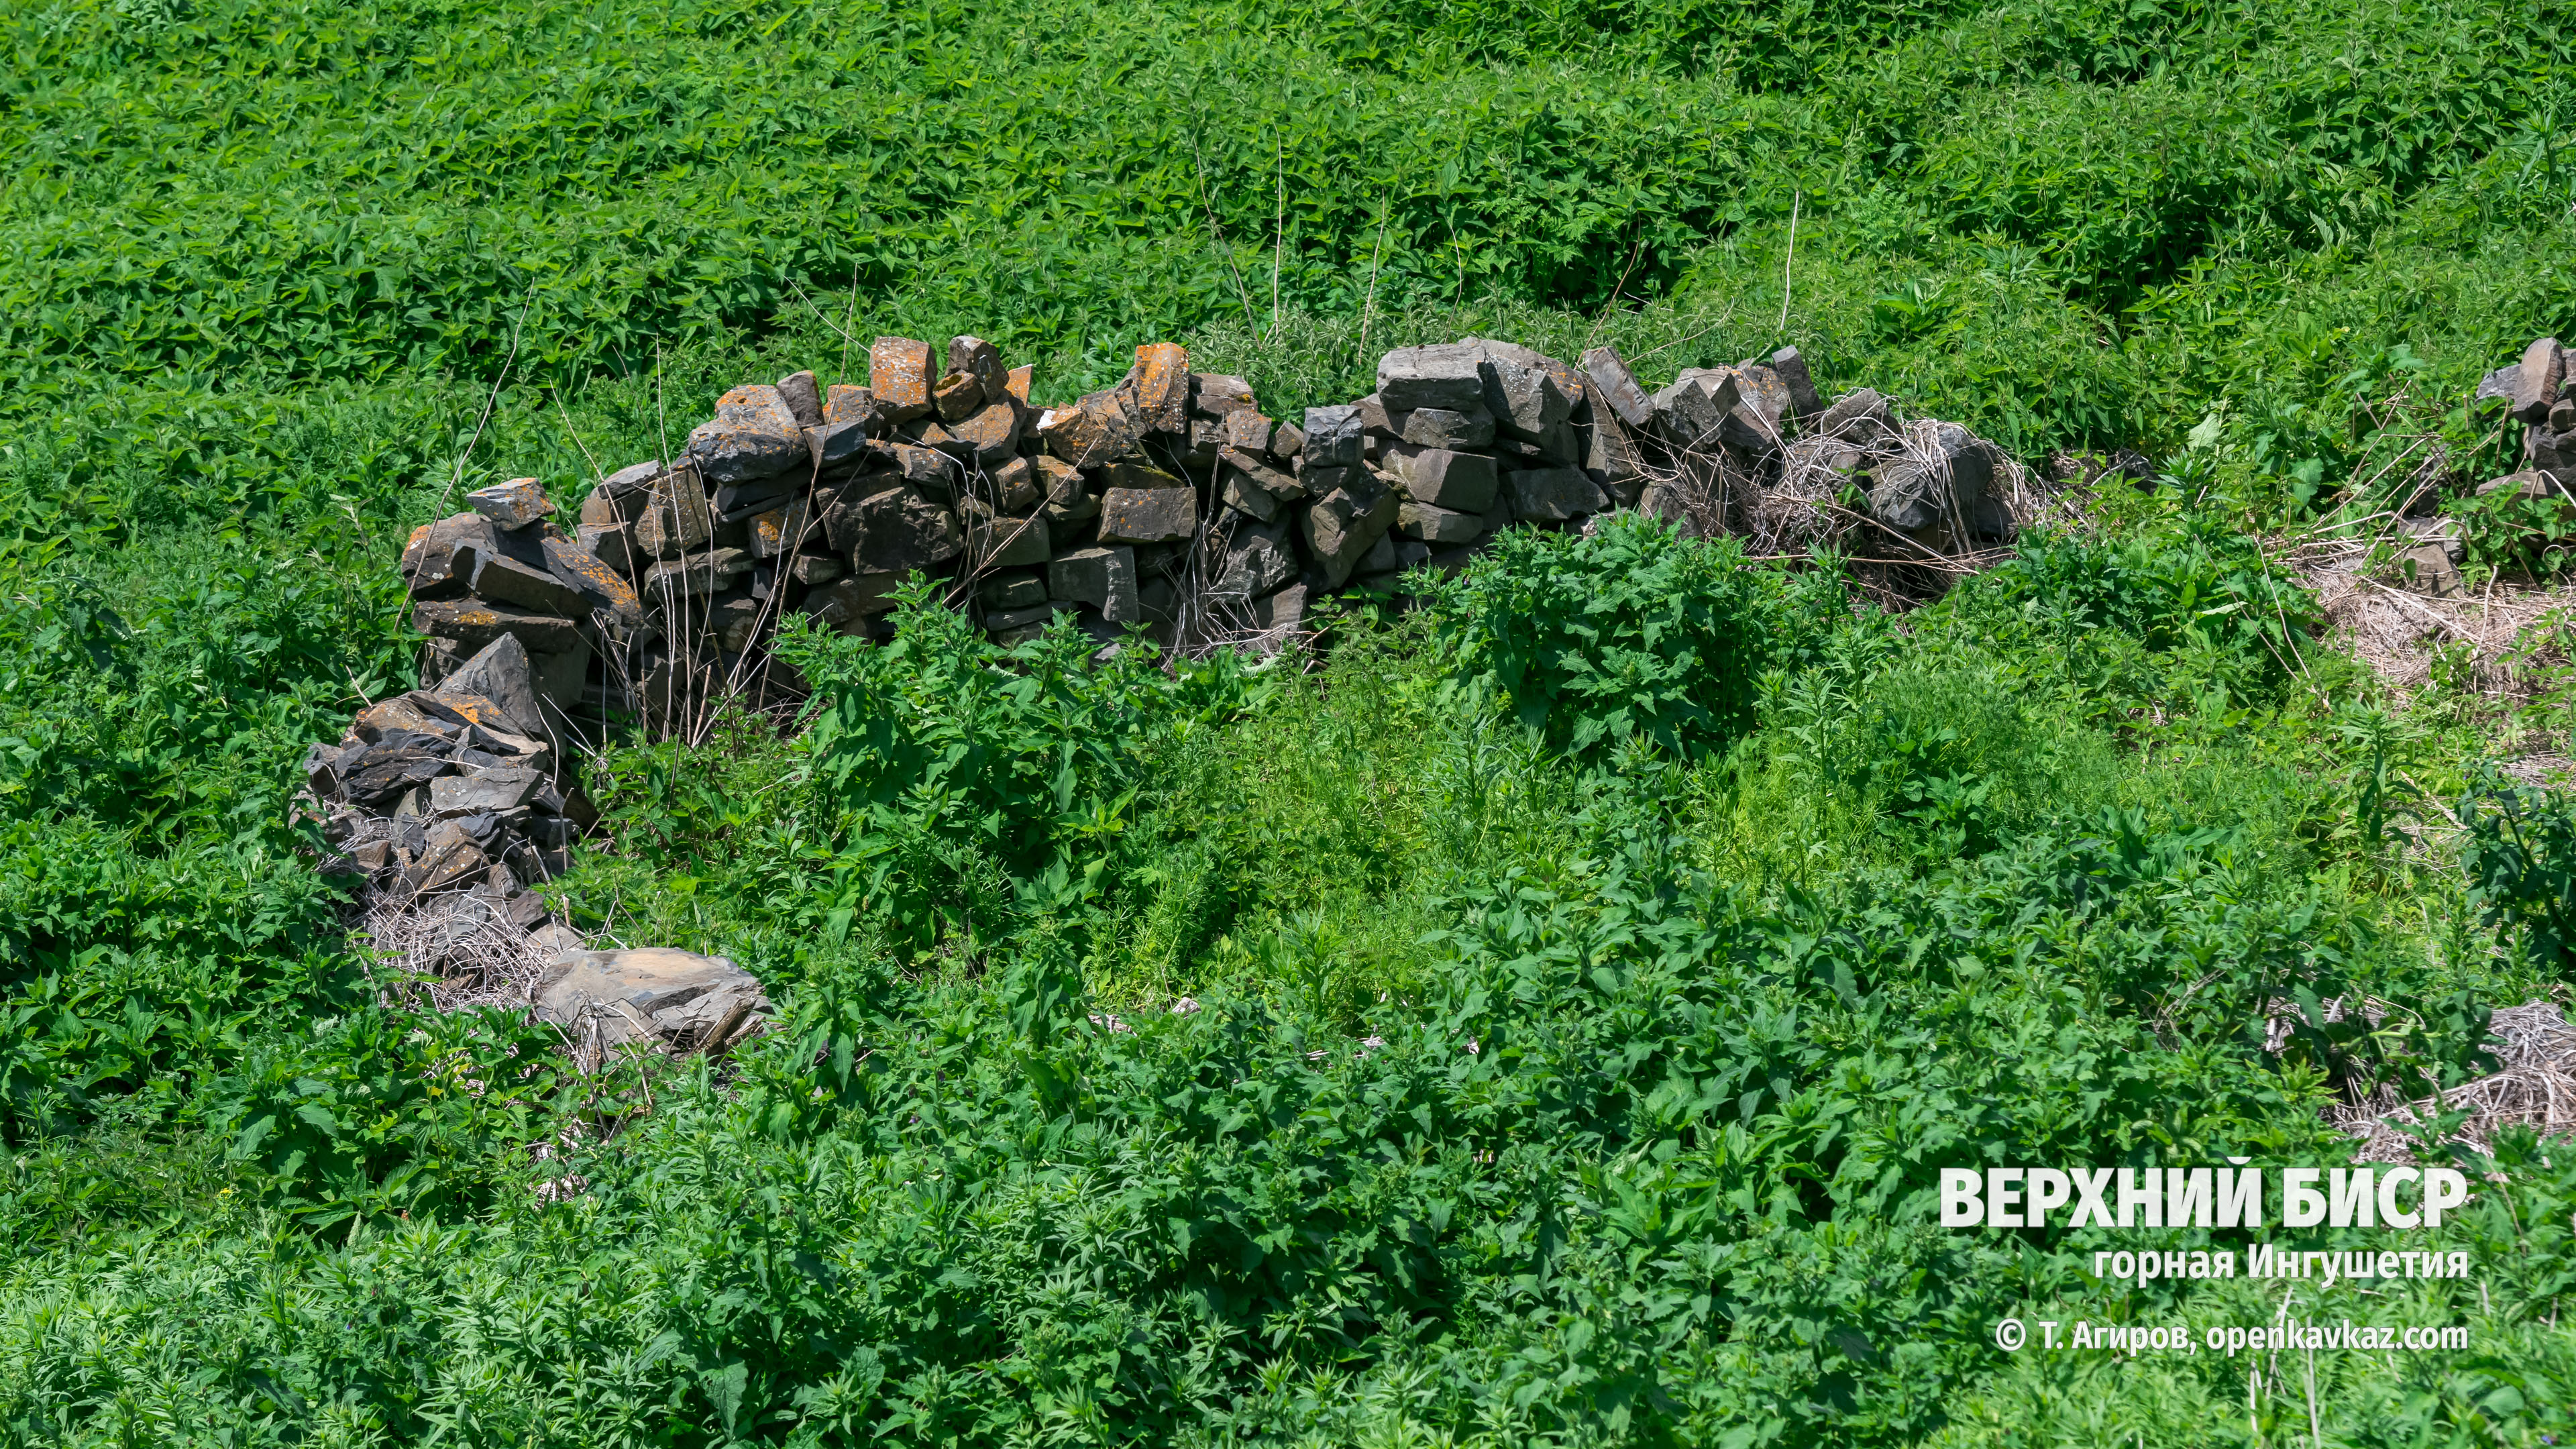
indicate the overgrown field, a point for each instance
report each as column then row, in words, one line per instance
column 1593, row 968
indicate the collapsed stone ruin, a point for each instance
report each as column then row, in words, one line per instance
column 1170, row 502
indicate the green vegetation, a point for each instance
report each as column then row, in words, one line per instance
column 1592, row 969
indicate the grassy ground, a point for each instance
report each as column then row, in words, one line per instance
column 1668, row 1038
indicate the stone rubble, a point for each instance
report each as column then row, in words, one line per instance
column 1170, row 500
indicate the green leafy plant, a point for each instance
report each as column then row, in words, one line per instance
column 1630, row 632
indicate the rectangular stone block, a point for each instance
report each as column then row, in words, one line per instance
column 1332, row 437
column 471, row 624
column 1437, row 525
column 1147, row 515
column 1792, row 367
column 1614, row 384
column 1554, row 493
column 1445, row 375
column 900, row 375
column 1443, row 477
column 1442, row 428
column 1104, row 578
column 507, row 581
column 1162, row 378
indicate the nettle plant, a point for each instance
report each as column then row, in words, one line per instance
column 1632, row 633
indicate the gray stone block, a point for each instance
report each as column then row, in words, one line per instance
column 1447, row 375
column 1442, row 428
column 1443, row 477
column 1148, row 515
column 1332, row 437
column 1437, row 525
column 1614, row 384
column 1554, row 493
column 1104, row 578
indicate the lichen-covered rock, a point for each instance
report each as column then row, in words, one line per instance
column 752, row 435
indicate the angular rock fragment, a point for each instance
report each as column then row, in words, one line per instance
column 846, row 403
column 1441, row 428
column 1215, row 395
column 1258, row 559
column 1013, row 591
column 1089, row 433
column 1147, row 515
column 1246, row 483
column 982, row 361
column 1343, row 525
column 676, row 518
column 1614, row 384
column 1069, row 500
column 803, row 399
column 1791, row 365
column 991, row 433
column 893, row 530
column 507, row 581
column 695, row 575
column 1525, row 401
column 752, row 435
column 1554, row 493
column 472, row 625
column 956, row 397
column 2536, row 383
column 1104, row 578
column 997, row 541
column 614, row 998
column 1332, row 438
column 1443, row 477
column 514, row 504
column 1163, row 387
column 900, row 377
column 1447, row 375
column 1439, row 525
column 848, row 603
column 501, row 673
column 483, row 791
column 1936, row 483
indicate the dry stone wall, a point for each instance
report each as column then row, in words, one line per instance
column 1171, row 501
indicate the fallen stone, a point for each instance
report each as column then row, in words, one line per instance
column 899, row 375
column 1614, row 384
column 1439, row 525
column 1443, row 477
column 1135, row 472
column 1692, row 413
column 1147, row 515
column 848, row 603
column 753, row 435
column 1216, row 395
column 803, row 399
column 694, row 576
column 1860, row 418
column 473, row 624
column 1447, row 375
column 893, row 530
column 401, row 762
column 997, row 541
column 1089, row 433
column 835, row 447
column 483, row 791
column 1069, row 499
column 514, row 504
column 613, row 998
column 1104, row 578
column 1937, row 484
column 2536, row 384
column 399, row 715
column 1163, row 387
column 507, row 581
column 676, row 517
column 1554, row 493
column 781, row 531
column 632, row 479
column 1003, row 621
column 1251, row 486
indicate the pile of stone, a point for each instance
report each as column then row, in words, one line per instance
column 452, row 794
column 2536, row 393
column 1171, row 500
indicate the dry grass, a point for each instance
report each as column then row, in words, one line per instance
column 2534, row 1087
column 453, row 951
